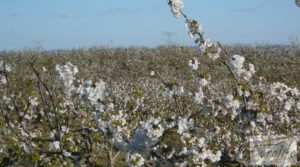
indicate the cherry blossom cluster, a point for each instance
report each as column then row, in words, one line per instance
column 4, row 68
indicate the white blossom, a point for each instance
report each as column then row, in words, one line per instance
column 3, row 79
column 33, row 101
column 298, row 105
column 54, row 145
column 194, row 64
column 251, row 68
column 203, row 82
column 153, row 128
column 52, row 133
column 152, row 73
column 193, row 28
column 236, row 64
column 94, row 93
column 25, row 148
column 184, row 125
column 135, row 160
column 232, row 105
column 175, row 90
column 67, row 154
column 3, row 68
column 44, row 69
column 211, row 49
column 66, row 73
column 199, row 96
column 289, row 104
column 279, row 90
column 64, row 129
column 176, row 7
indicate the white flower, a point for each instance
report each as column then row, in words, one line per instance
column 97, row 92
column 298, row 105
column 45, row 69
column 194, row 64
column 236, row 64
column 214, row 157
column 203, row 82
column 33, row 101
column 184, row 151
column 66, row 73
column 184, row 125
column 176, row 6
column 201, row 142
column 247, row 93
column 211, row 49
column 207, row 44
column 261, row 118
column 4, row 67
column 33, row 135
column 193, row 28
column 283, row 117
column 135, row 160
column 118, row 120
column 231, row 104
column 238, row 61
column 176, row 90
column 207, row 154
column 278, row 90
column 153, row 128
column 251, row 68
column 295, row 92
column 199, row 96
column 152, row 73
column 114, row 127
column 52, row 133
column 289, row 104
column 94, row 93
column 25, row 148
column 67, row 154
column 64, row 129
column 54, row 145
column 3, row 80
column 214, row 56
column 181, row 164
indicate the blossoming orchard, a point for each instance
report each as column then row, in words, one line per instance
column 88, row 121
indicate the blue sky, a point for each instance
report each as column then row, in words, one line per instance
column 54, row 24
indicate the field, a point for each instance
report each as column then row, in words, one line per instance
column 131, row 87
column 119, row 65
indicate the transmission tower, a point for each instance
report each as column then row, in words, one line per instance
column 170, row 36
column 38, row 44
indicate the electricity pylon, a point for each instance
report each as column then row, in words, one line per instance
column 170, row 36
